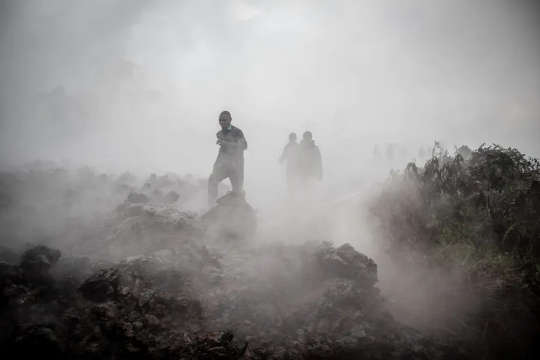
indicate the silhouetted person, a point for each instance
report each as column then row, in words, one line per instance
column 309, row 162
column 230, row 159
column 290, row 157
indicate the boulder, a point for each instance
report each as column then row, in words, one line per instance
column 137, row 198
column 346, row 262
column 38, row 260
column 232, row 218
column 101, row 286
column 171, row 197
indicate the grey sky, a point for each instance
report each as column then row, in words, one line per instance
column 125, row 84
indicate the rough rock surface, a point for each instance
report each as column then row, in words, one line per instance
column 348, row 263
column 276, row 302
column 39, row 259
column 142, row 229
column 232, row 218
column 136, row 198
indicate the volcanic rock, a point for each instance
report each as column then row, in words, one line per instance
column 232, row 218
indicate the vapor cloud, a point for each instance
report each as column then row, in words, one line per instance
column 138, row 85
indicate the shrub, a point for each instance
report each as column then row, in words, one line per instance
column 489, row 197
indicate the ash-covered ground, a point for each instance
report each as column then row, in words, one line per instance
column 104, row 267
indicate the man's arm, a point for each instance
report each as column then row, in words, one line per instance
column 242, row 140
column 238, row 142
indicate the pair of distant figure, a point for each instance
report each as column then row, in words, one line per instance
column 303, row 162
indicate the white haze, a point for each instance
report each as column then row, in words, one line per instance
column 133, row 85
column 139, row 84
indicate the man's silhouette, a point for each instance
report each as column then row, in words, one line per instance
column 310, row 163
column 290, row 156
column 230, row 159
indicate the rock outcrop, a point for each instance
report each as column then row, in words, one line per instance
column 275, row 302
column 232, row 218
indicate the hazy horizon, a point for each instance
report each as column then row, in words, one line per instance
column 136, row 85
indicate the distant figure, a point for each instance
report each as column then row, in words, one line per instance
column 309, row 162
column 290, row 157
column 230, row 159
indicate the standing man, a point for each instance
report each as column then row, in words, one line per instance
column 230, row 159
column 310, row 159
column 290, row 156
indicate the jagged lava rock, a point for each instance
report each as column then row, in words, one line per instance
column 346, row 262
column 232, row 218
column 39, row 259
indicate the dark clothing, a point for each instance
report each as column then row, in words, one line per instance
column 290, row 156
column 234, row 144
column 233, row 171
column 310, row 163
column 229, row 162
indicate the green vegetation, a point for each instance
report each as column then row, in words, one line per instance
column 478, row 212
column 486, row 199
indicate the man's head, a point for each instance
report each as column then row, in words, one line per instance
column 225, row 119
column 307, row 135
column 292, row 137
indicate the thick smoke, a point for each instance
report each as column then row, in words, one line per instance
column 113, row 81
column 137, row 86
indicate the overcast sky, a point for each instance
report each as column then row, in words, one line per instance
column 133, row 84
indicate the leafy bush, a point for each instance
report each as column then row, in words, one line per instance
column 485, row 198
column 477, row 212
